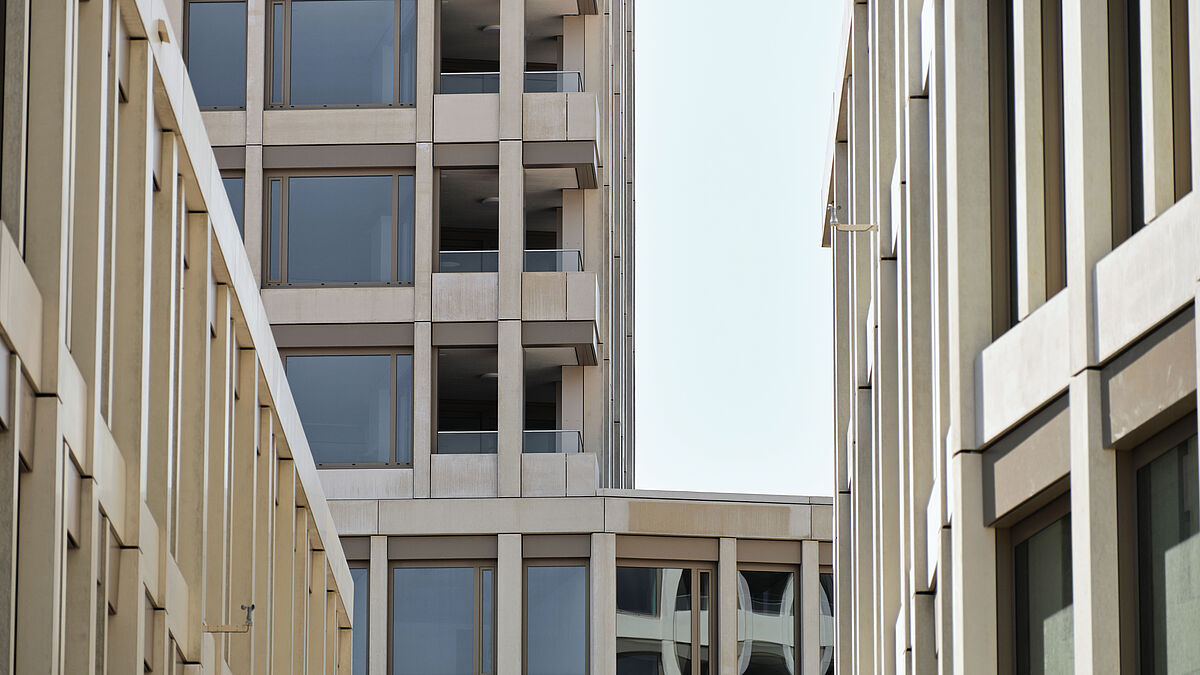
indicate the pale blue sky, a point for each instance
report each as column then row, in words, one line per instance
column 733, row 306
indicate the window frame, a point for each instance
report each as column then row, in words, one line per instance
column 695, row 567
column 284, row 176
column 285, row 64
column 187, row 29
column 392, row 353
column 586, row 564
column 478, row 565
column 797, row 602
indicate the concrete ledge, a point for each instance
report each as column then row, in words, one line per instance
column 462, row 476
column 308, row 335
column 345, row 125
column 372, row 483
column 356, row 304
column 465, row 296
column 1027, row 462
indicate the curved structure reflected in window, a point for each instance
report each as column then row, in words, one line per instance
column 767, row 622
column 827, row 627
column 663, row 627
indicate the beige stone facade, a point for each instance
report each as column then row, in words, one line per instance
column 157, row 480
column 1014, row 238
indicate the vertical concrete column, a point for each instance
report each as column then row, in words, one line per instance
column 423, row 235
column 256, row 67
column 511, row 408
column 510, row 580
column 843, row 574
column 810, row 607
column 862, row 525
column 973, row 577
column 424, row 393
column 512, row 229
column 572, row 398
column 512, row 71
column 1093, row 532
column 604, row 603
column 378, row 636
column 574, row 43
column 1158, row 150
column 428, row 66
column 255, row 230
column 886, row 455
column 727, row 605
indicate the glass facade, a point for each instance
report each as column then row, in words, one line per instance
column 216, row 53
column 343, row 53
column 346, row 406
column 1168, row 515
column 1042, row 608
column 556, row 620
column 767, row 622
column 664, row 621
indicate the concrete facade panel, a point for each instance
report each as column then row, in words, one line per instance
column 473, row 118
column 462, row 476
column 465, row 297
column 323, row 127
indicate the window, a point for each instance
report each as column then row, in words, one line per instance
column 356, row 408
column 767, row 621
column 360, row 574
column 828, row 628
column 556, row 620
column 342, row 53
column 443, row 619
column 1043, row 626
column 215, row 50
column 235, row 188
column 664, row 614
column 340, row 230
column 1168, row 548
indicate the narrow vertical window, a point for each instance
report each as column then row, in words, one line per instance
column 276, row 226
column 361, row 576
column 556, row 620
column 1044, row 627
column 404, row 405
column 235, row 189
column 277, row 53
column 487, row 632
column 408, row 52
column 767, row 622
column 1003, row 168
column 1181, row 96
column 1125, row 67
column 405, row 215
column 1053, row 148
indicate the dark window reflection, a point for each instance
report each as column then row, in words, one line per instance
column 216, row 53
column 235, row 188
column 556, row 620
column 637, row 590
column 767, row 622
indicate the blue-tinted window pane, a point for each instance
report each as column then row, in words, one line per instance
column 433, row 627
column 345, row 406
column 339, row 229
column 277, row 53
column 408, row 51
column 216, row 44
column 404, row 403
column 235, row 187
column 556, row 620
column 342, row 52
column 487, row 621
column 361, row 576
column 406, row 211
column 276, row 206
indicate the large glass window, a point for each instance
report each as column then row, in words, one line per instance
column 356, row 408
column 1168, row 514
column 216, row 52
column 360, row 574
column 556, row 611
column 330, row 53
column 1042, row 604
column 235, row 188
column 664, row 621
column 767, row 626
column 340, row 230
column 443, row 620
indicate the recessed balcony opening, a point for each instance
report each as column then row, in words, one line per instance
column 470, row 47
column 468, row 220
column 466, row 401
column 553, row 233
column 552, row 420
column 553, row 46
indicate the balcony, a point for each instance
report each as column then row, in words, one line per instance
column 548, row 260
column 467, row 442
column 537, row 82
column 554, row 260
column 468, row 261
column 553, row 442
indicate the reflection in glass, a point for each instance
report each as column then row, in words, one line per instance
column 1044, row 637
column 344, row 404
column 235, row 190
column 1169, row 560
column 657, row 630
column 766, row 622
column 826, row 626
column 339, row 229
column 216, row 53
column 342, row 52
column 556, row 620
column 433, row 623
column 361, row 576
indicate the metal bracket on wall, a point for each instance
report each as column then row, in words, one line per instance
column 236, row 627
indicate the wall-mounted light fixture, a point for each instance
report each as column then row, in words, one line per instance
column 835, row 223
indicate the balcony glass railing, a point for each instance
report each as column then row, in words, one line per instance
column 466, row 442
column 554, row 260
column 538, row 82
column 468, row 261
column 553, row 442
column 553, row 81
